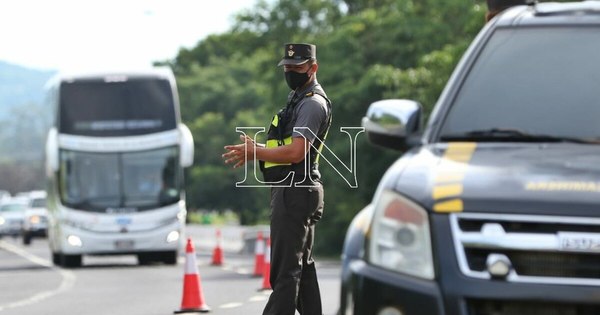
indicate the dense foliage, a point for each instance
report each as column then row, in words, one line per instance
column 367, row 50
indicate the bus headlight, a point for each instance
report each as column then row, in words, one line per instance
column 400, row 239
column 173, row 236
column 74, row 241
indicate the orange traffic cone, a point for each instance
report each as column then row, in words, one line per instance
column 267, row 267
column 259, row 255
column 217, row 258
column 193, row 299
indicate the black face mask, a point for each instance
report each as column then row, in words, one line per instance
column 295, row 80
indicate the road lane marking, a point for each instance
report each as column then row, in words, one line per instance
column 68, row 277
column 258, row 298
column 231, row 305
column 243, row 271
column 236, row 269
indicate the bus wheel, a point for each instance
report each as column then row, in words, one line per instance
column 146, row 258
column 56, row 259
column 71, row 261
column 169, row 258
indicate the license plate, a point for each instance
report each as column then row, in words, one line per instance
column 124, row 244
column 585, row 242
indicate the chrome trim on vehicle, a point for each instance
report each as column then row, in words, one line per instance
column 118, row 144
column 493, row 236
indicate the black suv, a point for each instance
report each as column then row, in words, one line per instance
column 494, row 209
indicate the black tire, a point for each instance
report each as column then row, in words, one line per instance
column 71, row 261
column 56, row 259
column 146, row 258
column 169, row 258
column 27, row 239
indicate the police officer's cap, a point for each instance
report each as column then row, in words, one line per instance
column 297, row 54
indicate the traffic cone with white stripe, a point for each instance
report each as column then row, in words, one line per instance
column 193, row 299
column 267, row 267
column 259, row 255
column 217, row 258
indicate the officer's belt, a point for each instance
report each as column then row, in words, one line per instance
column 281, row 172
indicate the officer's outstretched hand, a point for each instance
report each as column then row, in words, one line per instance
column 239, row 153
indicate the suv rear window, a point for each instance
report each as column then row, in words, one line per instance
column 538, row 80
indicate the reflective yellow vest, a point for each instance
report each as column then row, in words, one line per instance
column 280, row 133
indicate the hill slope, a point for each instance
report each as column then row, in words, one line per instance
column 19, row 86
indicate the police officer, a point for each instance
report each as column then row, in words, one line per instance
column 289, row 162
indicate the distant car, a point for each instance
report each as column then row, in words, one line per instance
column 12, row 214
column 35, row 222
column 4, row 196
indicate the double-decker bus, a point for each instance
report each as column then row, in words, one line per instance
column 114, row 161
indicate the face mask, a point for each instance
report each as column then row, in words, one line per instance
column 295, row 80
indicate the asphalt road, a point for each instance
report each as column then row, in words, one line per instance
column 117, row 285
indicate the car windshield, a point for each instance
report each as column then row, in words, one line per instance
column 120, row 182
column 534, row 84
column 38, row 203
column 12, row 207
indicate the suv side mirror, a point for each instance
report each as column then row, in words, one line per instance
column 393, row 123
column 186, row 157
column 52, row 151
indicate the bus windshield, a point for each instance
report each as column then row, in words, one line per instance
column 134, row 106
column 119, row 182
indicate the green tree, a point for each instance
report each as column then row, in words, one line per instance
column 368, row 50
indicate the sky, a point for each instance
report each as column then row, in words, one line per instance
column 72, row 35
